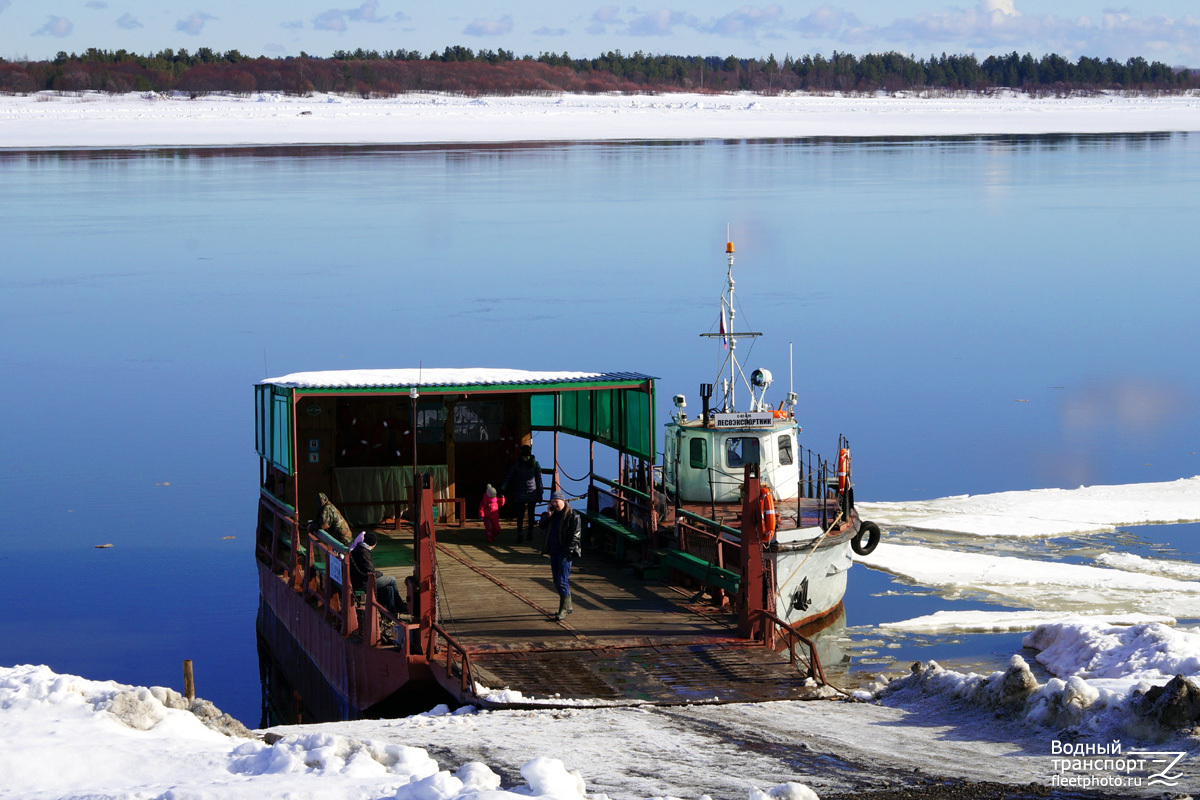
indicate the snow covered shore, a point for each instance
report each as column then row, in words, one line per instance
column 65, row 736
column 52, row 120
column 1124, row 679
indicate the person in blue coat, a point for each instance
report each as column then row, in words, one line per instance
column 563, row 543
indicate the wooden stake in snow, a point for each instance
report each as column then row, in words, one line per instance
column 189, row 685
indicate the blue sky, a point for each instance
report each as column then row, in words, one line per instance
column 1163, row 30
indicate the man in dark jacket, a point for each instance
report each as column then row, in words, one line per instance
column 362, row 565
column 523, row 485
column 563, row 543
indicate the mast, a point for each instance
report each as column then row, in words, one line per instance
column 730, row 404
column 730, row 338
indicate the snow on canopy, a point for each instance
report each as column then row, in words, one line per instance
column 476, row 376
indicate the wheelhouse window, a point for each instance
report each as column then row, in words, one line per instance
column 741, row 450
column 698, row 454
column 785, row 449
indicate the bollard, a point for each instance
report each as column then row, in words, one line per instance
column 189, row 685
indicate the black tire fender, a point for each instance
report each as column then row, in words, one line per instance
column 866, row 540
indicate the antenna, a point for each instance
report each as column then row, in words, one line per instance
column 730, row 404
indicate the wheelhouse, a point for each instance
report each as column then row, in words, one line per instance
column 703, row 464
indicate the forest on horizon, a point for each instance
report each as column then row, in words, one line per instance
column 461, row 70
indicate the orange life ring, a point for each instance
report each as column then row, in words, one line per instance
column 843, row 469
column 768, row 516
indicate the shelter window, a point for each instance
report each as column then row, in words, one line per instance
column 431, row 424
column 741, row 450
column 698, row 455
column 478, row 421
column 785, row 449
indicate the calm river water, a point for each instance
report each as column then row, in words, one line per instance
column 977, row 315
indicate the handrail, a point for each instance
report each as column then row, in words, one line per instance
column 275, row 501
column 711, row 523
column 621, row 486
column 333, row 544
column 375, row 612
column 466, row 677
column 814, row 661
column 333, row 550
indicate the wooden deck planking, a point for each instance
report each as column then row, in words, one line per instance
column 627, row 640
column 612, row 607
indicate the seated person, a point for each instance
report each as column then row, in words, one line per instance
column 362, row 565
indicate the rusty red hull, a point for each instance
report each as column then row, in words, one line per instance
column 360, row 675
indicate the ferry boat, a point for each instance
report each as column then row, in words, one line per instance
column 680, row 597
column 810, row 522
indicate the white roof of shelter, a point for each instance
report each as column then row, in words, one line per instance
column 405, row 378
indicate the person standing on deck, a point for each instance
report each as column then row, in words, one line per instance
column 489, row 510
column 332, row 521
column 524, row 479
column 563, row 542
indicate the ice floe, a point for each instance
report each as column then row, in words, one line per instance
column 1045, row 512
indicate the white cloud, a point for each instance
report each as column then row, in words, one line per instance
column 335, row 19
column 747, row 21
column 367, row 12
column 828, row 22
column 331, row 20
column 194, row 23
column 291, row 25
column 1006, row 7
column 543, row 31
column 657, row 23
column 602, row 18
column 96, row 4
column 490, row 27
column 4, row 4
column 56, row 26
column 128, row 22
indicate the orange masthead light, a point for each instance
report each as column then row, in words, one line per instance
column 729, row 247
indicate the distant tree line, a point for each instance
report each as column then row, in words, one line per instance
column 462, row 70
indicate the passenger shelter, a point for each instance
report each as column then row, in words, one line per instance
column 359, row 436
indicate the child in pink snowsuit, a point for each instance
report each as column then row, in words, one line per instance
column 489, row 510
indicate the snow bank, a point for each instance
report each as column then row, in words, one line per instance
column 1073, row 703
column 1039, row 585
column 1115, row 656
column 1046, row 512
column 63, row 736
column 51, row 120
column 1110, row 679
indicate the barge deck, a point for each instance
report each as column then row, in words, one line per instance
column 629, row 640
